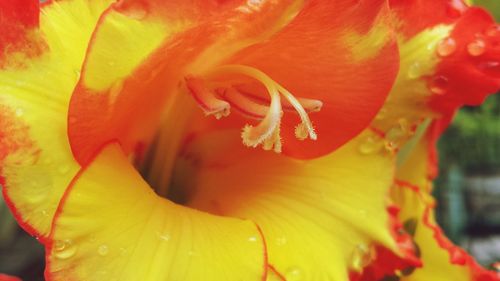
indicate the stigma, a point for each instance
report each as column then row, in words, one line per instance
column 223, row 89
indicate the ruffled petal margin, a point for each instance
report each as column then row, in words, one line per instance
column 35, row 157
column 442, row 260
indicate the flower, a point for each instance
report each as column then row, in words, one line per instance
column 102, row 101
column 447, row 61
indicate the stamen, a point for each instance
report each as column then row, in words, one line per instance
column 245, row 105
column 206, row 99
column 267, row 129
column 306, row 122
column 267, row 132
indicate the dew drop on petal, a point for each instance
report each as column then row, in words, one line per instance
column 476, row 47
column 163, row 236
column 362, row 255
column 371, row 145
column 103, row 250
column 446, row 47
column 438, row 85
column 19, row 112
column 137, row 11
column 44, row 213
column 64, row 249
column 415, row 70
column 493, row 30
column 294, row 274
column 391, row 146
column 280, row 241
column 252, row 239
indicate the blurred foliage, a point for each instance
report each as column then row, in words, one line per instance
column 473, row 140
column 492, row 5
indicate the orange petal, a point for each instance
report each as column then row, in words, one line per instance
column 157, row 43
column 332, row 51
column 418, row 15
column 112, row 226
column 339, row 62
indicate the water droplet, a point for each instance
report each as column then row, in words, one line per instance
column 64, row 249
column 438, row 85
column 19, row 112
column 371, row 145
column 293, row 274
column 493, row 30
column 44, row 213
column 280, row 241
column 103, row 250
column 446, row 47
column 476, row 47
column 137, row 11
column 415, row 70
column 252, row 239
column 391, row 146
column 362, row 255
column 163, row 236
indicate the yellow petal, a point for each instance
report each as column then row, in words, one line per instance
column 320, row 218
column 112, row 226
column 36, row 160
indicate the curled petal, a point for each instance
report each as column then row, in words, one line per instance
column 112, row 226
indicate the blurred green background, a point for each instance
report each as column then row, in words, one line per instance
column 468, row 188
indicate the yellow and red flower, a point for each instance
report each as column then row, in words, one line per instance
column 110, row 153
